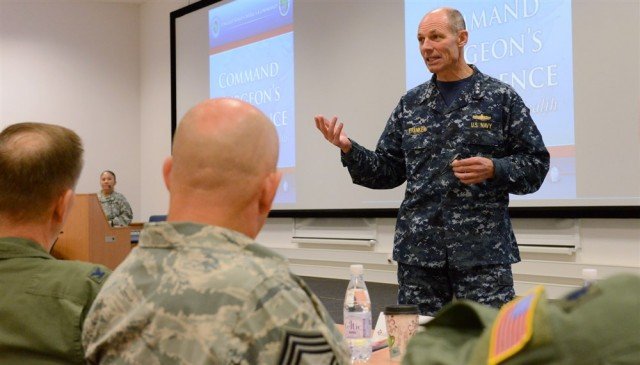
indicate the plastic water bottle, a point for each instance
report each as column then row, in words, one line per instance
column 357, row 316
column 589, row 276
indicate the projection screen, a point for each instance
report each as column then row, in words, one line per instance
column 354, row 59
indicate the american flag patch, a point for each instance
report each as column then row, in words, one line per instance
column 513, row 327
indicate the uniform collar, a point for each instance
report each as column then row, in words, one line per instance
column 106, row 197
column 431, row 90
column 172, row 235
column 15, row 247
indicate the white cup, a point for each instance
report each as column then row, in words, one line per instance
column 402, row 323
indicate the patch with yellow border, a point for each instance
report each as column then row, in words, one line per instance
column 513, row 327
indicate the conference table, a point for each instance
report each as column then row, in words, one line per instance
column 381, row 357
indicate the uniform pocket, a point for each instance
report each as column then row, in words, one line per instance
column 504, row 278
column 418, row 150
column 484, row 137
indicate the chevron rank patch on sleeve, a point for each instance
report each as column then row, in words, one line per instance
column 304, row 347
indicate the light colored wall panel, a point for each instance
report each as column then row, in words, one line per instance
column 75, row 63
column 609, row 245
column 155, row 103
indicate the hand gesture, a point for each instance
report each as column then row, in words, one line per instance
column 332, row 132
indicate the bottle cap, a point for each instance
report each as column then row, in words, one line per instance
column 589, row 274
column 356, row 269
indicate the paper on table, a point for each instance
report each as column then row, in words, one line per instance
column 424, row 319
column 379, row 337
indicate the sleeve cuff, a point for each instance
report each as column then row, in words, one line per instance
column 349, row 157
column 499, row 171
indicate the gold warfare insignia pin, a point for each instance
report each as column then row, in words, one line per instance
column 417, row 130
column 481, row 117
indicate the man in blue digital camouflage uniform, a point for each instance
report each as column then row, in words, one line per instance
column 463, row 141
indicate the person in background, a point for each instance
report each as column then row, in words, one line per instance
column 43, row 301
column 462, row 141
column 115, row 205
column 198, row 289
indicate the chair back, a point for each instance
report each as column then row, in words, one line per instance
column 158, row 218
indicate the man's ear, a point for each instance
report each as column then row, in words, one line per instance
column 166, row 172
column 63, row 206
column 269, row 189
column 463, row 38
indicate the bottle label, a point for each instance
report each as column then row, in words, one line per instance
column 350, row 298
column 357, row 324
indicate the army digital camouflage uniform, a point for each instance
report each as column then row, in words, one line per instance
column 441, row 221
column 43, row 303
column 594, row 325
column 116, row 208
column 198, row 294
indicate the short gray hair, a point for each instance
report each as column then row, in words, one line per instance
column 456, row 20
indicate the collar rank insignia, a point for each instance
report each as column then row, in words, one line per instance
column 97, row 275
column 481, row 117
column 513, row 327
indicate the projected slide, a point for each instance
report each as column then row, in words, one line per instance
column 527, row 44
column 251, row 58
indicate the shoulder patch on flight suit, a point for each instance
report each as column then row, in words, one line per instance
column 97, row 275
column 578, row 297
column 513, row 327
column 307, row 347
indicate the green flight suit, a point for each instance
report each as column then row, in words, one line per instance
column 43, row 304
column 596, row 325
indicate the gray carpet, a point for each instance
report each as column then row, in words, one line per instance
column 331, row 293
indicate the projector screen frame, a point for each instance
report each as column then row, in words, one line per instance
column 617, row 212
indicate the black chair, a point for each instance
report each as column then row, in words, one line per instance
column 135, row 234
column 158, row 218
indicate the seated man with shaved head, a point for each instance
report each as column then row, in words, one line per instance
column 198, row 289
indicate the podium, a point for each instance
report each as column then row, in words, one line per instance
column 87, row 236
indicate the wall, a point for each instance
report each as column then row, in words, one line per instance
column 608, row 245
column 155, row 102
column 76, row 63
